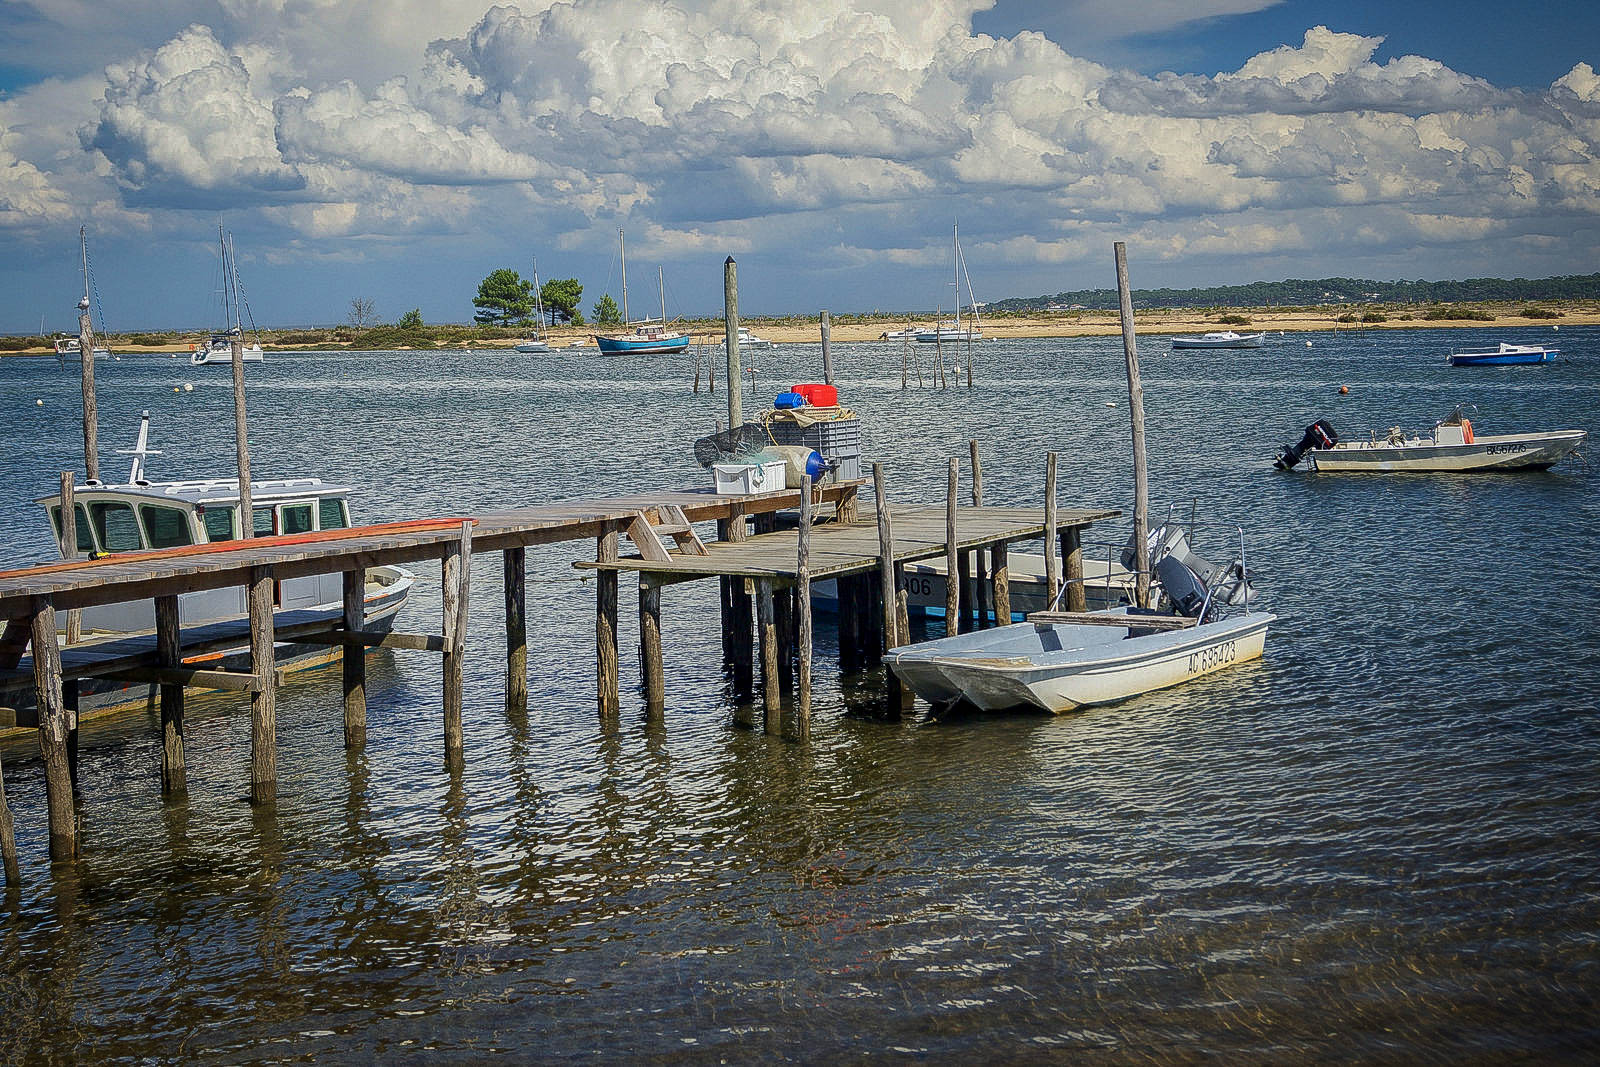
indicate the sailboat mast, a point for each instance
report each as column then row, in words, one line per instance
column 233, row 283
column 955, row 265
column 222, row 243
column 538, row 298
column 622, row 248
column 662, row 286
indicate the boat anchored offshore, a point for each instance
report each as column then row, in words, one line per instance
column 1219, row 339
column 1059, row 661
column 148, row 516
column 1504, row 356
column 1451, row 446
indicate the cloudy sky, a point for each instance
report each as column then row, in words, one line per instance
column 400, row 150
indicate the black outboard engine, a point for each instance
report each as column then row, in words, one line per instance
column 1319, row 434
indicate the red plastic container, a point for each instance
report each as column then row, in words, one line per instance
column 819, row 394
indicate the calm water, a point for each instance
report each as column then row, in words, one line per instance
column 1377, row 844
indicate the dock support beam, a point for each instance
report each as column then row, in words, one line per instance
column 53, row 732
column 766, row 624
column 354, row 660
column 802, row 603
column 655, row 686
column 456, row 573
column 952, row 565
column 8, row 837
column 264, row 697
column 605, row 627
column 169, row 653
column 1000, row 574
column 982, row 602
column 1072, row 560
column 894, row 621
column 515, row 565
column 1052, row 567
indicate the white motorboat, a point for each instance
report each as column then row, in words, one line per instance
column 949, row 332
column 1219, row 339
column 1060, row 661
column 748, row 340
column 71, row 346
column 146, row 516
column 907, row 334
column 218, row 348
column 1452, row 446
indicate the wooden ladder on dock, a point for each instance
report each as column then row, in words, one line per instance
column 646, row 535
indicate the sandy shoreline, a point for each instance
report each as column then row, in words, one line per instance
column 1073, row 324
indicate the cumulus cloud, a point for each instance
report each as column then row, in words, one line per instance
column 721, row 119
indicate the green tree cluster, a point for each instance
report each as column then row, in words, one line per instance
column 560, row 297
column 606, row 312
column 504, row 297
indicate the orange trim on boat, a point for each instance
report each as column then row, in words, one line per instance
column 278, row 541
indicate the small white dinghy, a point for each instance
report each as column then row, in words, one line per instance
column 1061, row 661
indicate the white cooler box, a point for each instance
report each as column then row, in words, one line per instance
column 749, row 477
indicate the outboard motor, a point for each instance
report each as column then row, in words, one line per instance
column 1319, row 434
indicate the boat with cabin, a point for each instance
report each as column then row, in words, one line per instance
column 539, row 343
column 71, row 346
column 748, row 340
column 1505, row 355
column 953, row 331
column 1451, row 446
column 145, row 516
column 648, row 338
column 1220, row 339
column 1057, row 661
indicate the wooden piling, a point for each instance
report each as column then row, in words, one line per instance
column 730, row 304
column 739, row 617
column 1141, row 504
column 91, row 416
column 456, row 574
column 1052, row 571
column 783, row 618
column 169, row 653
column 802, row 600
column 982, row 602
column 8, row 836
column 514, row 562
column 354, row 660
column 605, row 627
column 53, row 732
column 889, row 589
column 241, row 436
column 69, row 548
column 655, row 686
column 766, row 625
column 952, row 565
column 1077, row 598
column 264, row 695
column 827, row 354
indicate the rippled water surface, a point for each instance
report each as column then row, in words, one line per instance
column 1378, row 843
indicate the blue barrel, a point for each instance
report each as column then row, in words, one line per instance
column 789, row 400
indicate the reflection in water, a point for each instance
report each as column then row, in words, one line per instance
column 1372, row 844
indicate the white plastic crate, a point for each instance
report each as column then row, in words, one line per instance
column 748, row 477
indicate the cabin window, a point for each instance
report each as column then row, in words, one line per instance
column 330, row 513
column 294, row 518
column 165, row 527
column 85, row 536
column 261, row 522
column 114, row 526
column 219, row 523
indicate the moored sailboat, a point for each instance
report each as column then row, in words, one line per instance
column 647, row 338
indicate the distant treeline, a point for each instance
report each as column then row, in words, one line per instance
column 1300, row 292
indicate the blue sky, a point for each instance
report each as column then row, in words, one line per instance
column 400, row 150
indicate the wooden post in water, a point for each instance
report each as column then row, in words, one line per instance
column 1000, row 581
column 264, row 697
column 655, row 686
column 783, row 617
column 1052, row 571
column 8, row 836
column 91, row 417
column 53, row 732
column 888, row 585
column 982, row 602
column 802, row 602
column 515, row 564
column 169, row 653
column 739, row 617
column 456, row 572
column 69, row 549
column 952, row 565
column 827, row 354
column 354, row 660
column 1072, row 560
column 766, row 624
column 1141, row 506
column 605, row 627
column 730, row 306
column 241, row 435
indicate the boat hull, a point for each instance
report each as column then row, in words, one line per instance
column 533, row 346
column 1063, row 667
column 1498, row 360
column 1500, row 452
column 202, row 358
column 625, row 346
column 388, row 588
column 1243, row 341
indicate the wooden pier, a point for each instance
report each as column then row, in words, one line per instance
column 774, row 567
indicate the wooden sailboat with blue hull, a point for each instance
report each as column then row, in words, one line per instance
column 646, row 339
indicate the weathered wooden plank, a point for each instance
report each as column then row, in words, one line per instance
column 197, row 677
column 53, row 733
column 376, row 639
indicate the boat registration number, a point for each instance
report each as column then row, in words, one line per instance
column 1209, row 658
column 1501, row 450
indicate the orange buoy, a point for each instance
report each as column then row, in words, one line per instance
column 1344, row 390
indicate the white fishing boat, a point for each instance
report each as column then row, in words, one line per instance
column 953, row 331
column 141, row 516
column 1452, row 446
column 1060, row 661
column 748, row 340
column 218, row 348
column 1219, row 339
